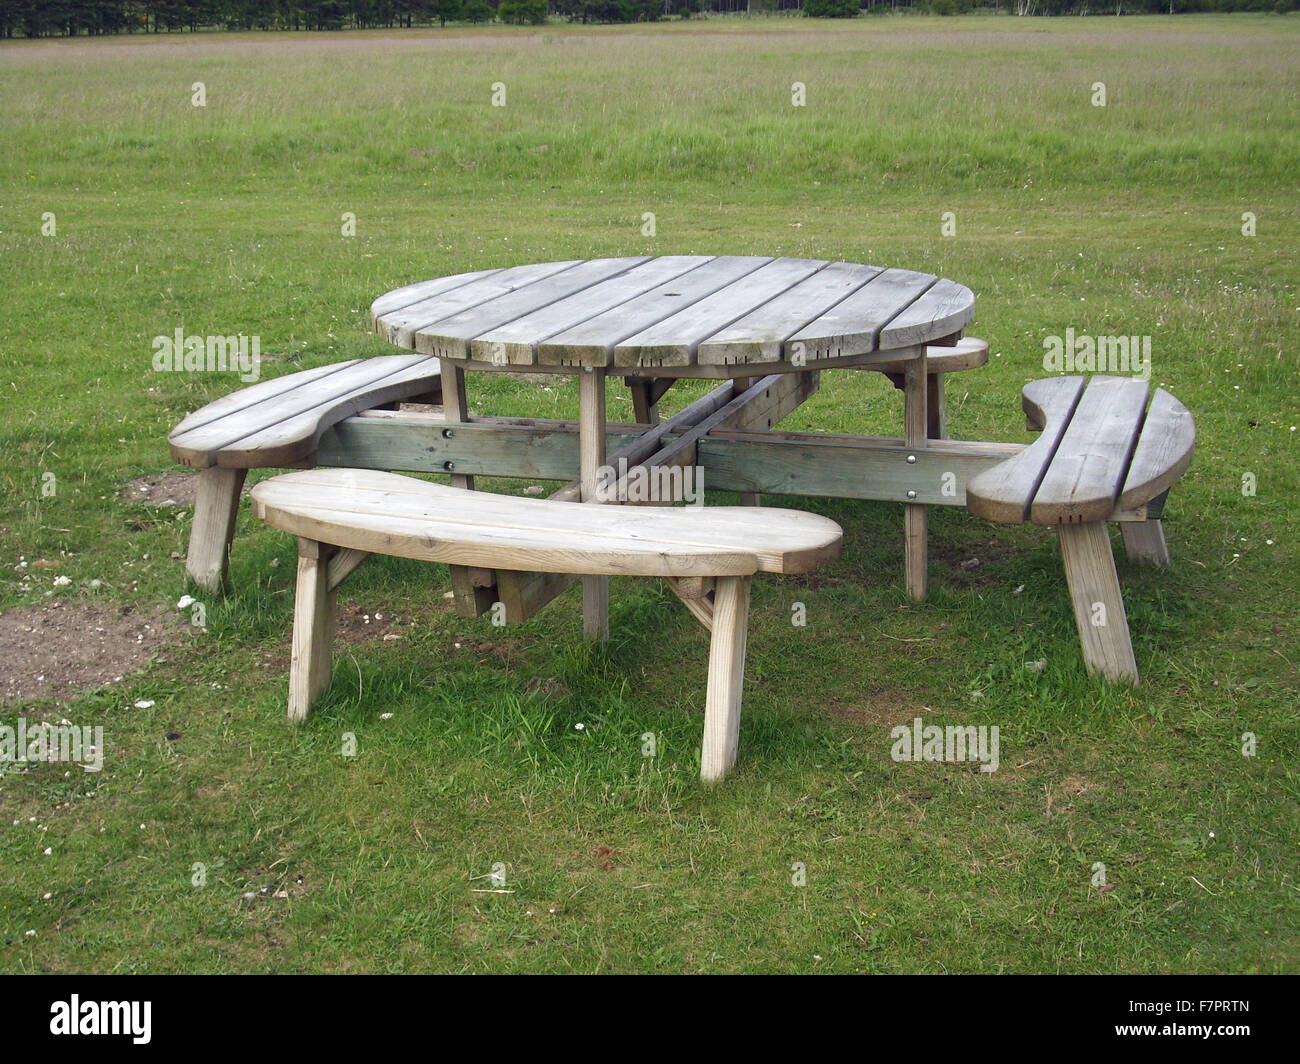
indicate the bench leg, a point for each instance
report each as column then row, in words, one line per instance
column 726, row 677
column 1098, row 605
column 207, row 559
column 313, row 628
column 1144, row 541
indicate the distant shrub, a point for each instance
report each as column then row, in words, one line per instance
column 477, row 11
column 831, row 8
column 523, row 12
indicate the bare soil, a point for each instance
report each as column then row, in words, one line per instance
column 57, row 651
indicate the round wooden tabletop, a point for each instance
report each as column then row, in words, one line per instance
column 675, row 315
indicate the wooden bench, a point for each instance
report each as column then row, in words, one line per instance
column 1102, row 456
column 277, row 424
column 709, row 554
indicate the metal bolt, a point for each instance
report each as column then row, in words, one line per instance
column 448, row 433
column 449, row 466
column 910, row 494
column 911, row 459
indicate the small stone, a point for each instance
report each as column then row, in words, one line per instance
column 145, row 704
column 186, row 601
column 533, row 489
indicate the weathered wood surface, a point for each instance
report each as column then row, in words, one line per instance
column 1098, row 605
column 400, row 326
column 1163, row 452
column 760, row 335
column 449, row 337
column 674, row 341
column 673, row 316
column 1086, row 473
column 967, row 353
column 729, row 624
column 388, row 513
column 944, row 308
column 852, row 326
column 1006, row 492
column 278, row 423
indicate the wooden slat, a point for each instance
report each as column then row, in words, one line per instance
column 282, row 428
column 673, row 341
column 759, row 335
column 242, row 398
column 968, row 353
column 1005, row 492
column 945, row 308
column 1163, row 453
column 422, row 290
column 592, row 342
column 449, row 336
column 1086, row 473
column 391, row 514
column 851, row 326
column 516, row 341
column 399, row 326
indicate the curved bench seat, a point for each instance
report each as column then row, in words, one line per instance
column 387, row 513
column 276, row 424
column 343, row 515
column 1102, row 455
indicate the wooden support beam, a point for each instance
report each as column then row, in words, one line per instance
column 207, row 559
column 313, row 628
column 730, row 631
column 1098, row 604
column 915, row 434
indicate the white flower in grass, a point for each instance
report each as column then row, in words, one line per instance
column 579, row 726
column 385, row 716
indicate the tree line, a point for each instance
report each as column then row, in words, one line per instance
column 65, row 18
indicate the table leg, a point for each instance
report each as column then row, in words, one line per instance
column 473, row 589
column 747, row 498
column 591, row 451
column 916, row 432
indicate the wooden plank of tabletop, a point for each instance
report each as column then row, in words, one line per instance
column 516, row 341
column 944, row 309
column 450, row 337
column 592, row 342
column 852, row 326
column 758, row 336
column 422, row 290
column 399, row 326
column 673, row 341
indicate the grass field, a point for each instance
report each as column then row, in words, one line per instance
column 1126, row 219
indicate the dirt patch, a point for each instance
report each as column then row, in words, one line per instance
column 176, row 488
column 56, row 652
column 880, row 709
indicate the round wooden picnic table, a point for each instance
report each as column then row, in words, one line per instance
column 658, row 319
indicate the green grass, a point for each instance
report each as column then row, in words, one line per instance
column 1123, row 219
